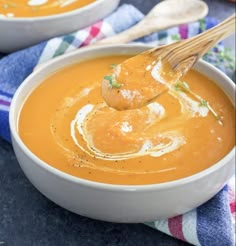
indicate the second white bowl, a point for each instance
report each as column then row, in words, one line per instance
column 18, row 33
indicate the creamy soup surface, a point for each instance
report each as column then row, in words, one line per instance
column 66, row 123
column 36, row 8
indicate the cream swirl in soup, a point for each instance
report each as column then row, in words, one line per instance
column 133, row 133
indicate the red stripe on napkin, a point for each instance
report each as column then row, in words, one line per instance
column 93, row 32
column 175, row 227
column 183, row 31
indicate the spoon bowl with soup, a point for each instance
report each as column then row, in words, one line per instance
column 136, row 165
column 139, row 80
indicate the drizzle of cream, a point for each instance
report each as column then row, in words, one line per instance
column 117, row 70
column 79, row 120
column 77, row 125
column 81, row 115
column 175, row 143
column 64, row 106
column 188, row 105
column 147, row 145
column 126, row 127
column 172, row 140
column 157, row 109
column 37, row 2
column 156, row 73
column 66, row 3
column 130, row 95
column 85, row 91
column 175, row 140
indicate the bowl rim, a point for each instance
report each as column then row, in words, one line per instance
column 99, row 185
column 54, row 16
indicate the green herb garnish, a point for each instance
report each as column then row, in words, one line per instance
column 182, row 86
column 203, row 103
column 112, row 81
column 117, row 86
column 113, row 66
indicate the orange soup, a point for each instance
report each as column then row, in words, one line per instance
column 67, row 124
column 36, row 8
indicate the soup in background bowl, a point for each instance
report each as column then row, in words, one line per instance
column 82, row 155
column 32, row 21
column 35, row 8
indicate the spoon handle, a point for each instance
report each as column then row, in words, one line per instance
column 159, row 18
column 135, row 32
column 184, row 54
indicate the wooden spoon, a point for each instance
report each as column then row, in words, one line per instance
column 164, row 15
column 142, row 78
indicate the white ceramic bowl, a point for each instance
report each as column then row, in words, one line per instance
column 18, row 33
column 117, row 203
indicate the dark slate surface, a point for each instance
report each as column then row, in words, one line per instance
column 27, row 218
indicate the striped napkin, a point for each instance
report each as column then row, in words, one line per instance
column 210, row 224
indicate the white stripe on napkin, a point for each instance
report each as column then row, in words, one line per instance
column 189, row 227
column 50, row 49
